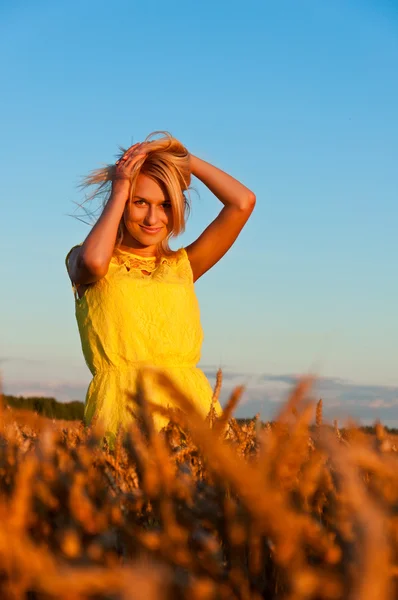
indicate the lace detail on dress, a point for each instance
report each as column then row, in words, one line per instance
column 175, row 268
column 135, row 262
column 163, row 268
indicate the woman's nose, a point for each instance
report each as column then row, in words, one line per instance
column 152, row 216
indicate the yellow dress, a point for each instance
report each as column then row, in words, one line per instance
column 144, row 312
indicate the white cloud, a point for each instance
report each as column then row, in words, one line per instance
column 381, row 403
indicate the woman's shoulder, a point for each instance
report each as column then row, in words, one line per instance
column 178, row 261
column 180, row 255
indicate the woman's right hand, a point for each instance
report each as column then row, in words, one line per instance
column 124, row 166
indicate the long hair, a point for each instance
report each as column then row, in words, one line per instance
column 167, row 163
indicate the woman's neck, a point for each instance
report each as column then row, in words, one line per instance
column 142, row 251
column 130, row 244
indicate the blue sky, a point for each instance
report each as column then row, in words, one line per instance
column 295, row 98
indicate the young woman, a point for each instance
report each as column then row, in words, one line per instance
column 135, row 302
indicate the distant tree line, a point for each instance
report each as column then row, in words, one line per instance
column 73, row 411
column 365, row 428
column 48, row 407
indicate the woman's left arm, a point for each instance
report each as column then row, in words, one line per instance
column 219, row 236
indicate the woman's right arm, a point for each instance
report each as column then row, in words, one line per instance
column 90, row 261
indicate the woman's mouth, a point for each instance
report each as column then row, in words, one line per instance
column 151, row 230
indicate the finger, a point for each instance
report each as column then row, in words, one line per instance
column 128, row 152
column 132, row 148
column 134, row 158
column 131, row 152
column 124, row 168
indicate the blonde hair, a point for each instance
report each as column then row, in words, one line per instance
column 167, row 163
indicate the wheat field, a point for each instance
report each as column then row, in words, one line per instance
column 294, row 509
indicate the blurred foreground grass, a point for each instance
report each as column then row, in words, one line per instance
column 202, row 511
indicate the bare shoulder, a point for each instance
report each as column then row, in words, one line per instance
column 79, row 272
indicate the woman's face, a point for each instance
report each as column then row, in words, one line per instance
column 148, row 218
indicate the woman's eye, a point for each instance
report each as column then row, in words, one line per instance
column 140, row 202
column 166, row 205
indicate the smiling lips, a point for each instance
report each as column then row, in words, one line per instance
column 151, row 230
